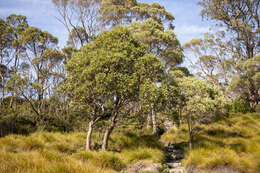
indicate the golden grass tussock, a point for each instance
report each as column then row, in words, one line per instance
column 132, row 156
column 46, row 152
column 102, row 159
column 44, row 162
column 176, row 135
column 232, row 143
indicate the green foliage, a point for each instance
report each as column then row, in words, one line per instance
column 22, row 120
column 12, row 121
column 240, row 106
column 161, row 42
column 124, row 12
column 202, row 102
column 110, row 66
column 213, row 62
column 241, row 21
column 236, row 17
column 201, row 97
column 248, row 81
column 111, row 71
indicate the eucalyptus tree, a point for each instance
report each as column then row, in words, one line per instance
column 17, row 24
column 241, row 22
column 124, row 12
column 160, row 41
column 5, row 40
column 41, row 58
column 240, row 18
column 152, row 99
column 248, row 81
column 157, row 98
column 201, row 101
column 80, row 18
column 84, row 19
column 164, row 44
column 214, row 61
column 11, row 51
column 4, row 46
column 105, row 76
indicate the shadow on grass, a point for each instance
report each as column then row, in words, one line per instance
column 130, row 140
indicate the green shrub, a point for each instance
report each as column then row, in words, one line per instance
column 241, row 106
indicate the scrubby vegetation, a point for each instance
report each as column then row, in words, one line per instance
column 232, row 143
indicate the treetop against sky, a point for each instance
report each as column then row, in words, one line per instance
column 42, row 14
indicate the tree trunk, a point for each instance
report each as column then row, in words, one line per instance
column 108, row 132
column 190, row 143
column 154, row 122
column 15, row 72
column 190, row 131
column 3, row 90
column 180, row 117
column 148, row 123
column 88, row 139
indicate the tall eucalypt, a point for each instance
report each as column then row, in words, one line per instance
column 106, row 76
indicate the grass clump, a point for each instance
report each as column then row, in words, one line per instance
column 101, row 159
column 175, row 136
column 203, row 158
column 33, row 161
column 47, row 152
column 148, row 154
column 232, row 144
column 133, row 140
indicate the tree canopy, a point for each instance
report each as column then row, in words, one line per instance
column 106, row 74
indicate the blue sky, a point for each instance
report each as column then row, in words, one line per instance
column 41, row 13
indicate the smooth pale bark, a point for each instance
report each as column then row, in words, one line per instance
column 88, row 139
column 190, row 131
column 108, row 131
column 180, row 118
column 148, row 125
column 154, row 122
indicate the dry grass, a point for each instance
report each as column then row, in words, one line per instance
column 231, row 143
column 44, row 152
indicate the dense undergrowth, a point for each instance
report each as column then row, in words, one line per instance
column 45, row 152
column 232, row 143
